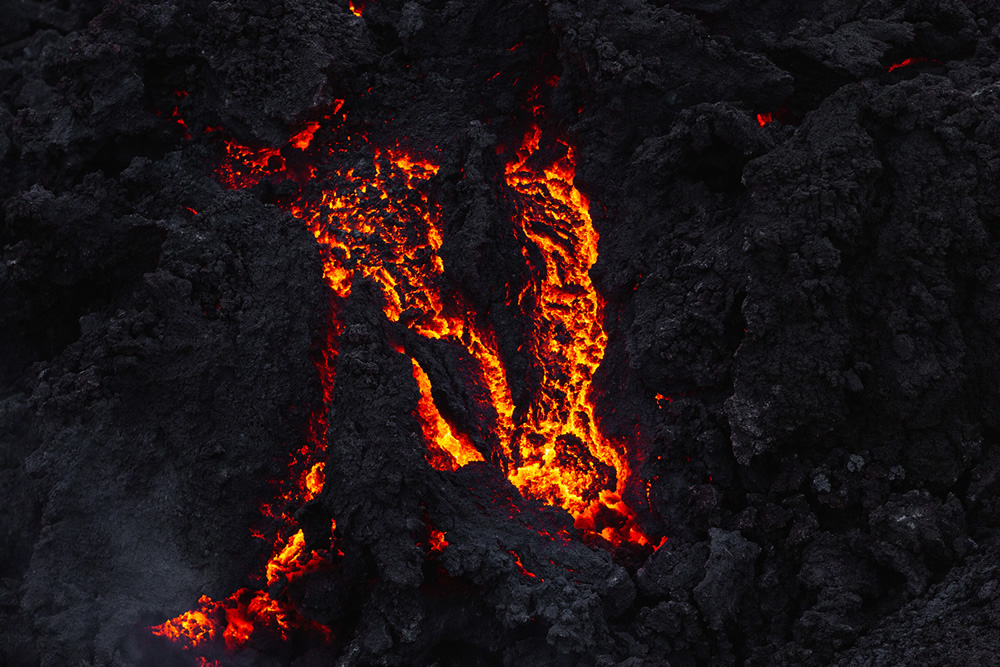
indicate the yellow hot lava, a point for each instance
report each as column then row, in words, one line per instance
column 564, row 458
column 448, row 450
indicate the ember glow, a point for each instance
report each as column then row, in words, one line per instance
column 305, row 137
column 520, row 566
column 437, row 541
column 356, row 6
column 233, row 622
column 175, row 113
column 911, row 61
column 236, row 620
column 288, row 564
column 190, row 628
column 382, row 225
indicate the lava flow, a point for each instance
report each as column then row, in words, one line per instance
column 376, row 219
column 562, row 456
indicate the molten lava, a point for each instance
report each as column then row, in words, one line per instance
column 437, row 542
column 192, row 627
column 447, row 450
column 372, row 215
column 356, row 6
column 561, row 455
column 248, row 613
column 240, row 617
column 521, row 568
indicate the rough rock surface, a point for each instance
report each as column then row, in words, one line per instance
column 819, row 296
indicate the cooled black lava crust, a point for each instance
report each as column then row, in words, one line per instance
column 818, row 294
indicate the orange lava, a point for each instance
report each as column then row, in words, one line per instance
column 190, row 628
column 562, row 457
column 314, row 481
column 237, row 619
column 764, row 118
column 305, row 137
column 446, row 449
column 380, row 223
column 383, row 226
column 437, row 542
column 289, row 564
column 521, row 568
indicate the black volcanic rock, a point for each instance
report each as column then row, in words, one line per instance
column 802, row 317
column 134, row 492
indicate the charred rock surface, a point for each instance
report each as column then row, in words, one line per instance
column 798, row 215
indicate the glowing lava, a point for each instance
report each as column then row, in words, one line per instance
column 437, row 542
column 521, row 568
column 447, row 450
column 247, row 613
column 237, row 619
column 911, row 61
column 379, row 222
column 382, row 225
column 356, row 6
column 561, row 455
column 372, row 215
